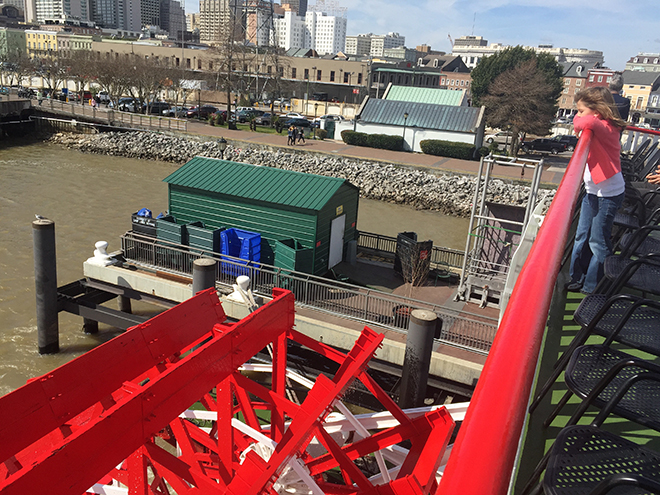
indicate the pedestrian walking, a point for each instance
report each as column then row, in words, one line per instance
column 291, row 135
column 301, row 134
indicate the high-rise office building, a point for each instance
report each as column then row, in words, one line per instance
column 42, row 10
column 219, row 19
column 258, row 22
column 150, row 12
column 359, row 44
column 298, row 6
column 173, row 18
column 320, row 32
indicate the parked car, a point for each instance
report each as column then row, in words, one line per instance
column 264, row 119
column 177, row 111
column 103, row 96
column 543, row 144
column 501, row 137
column 293, row 115
column 298, row 123
column 129, row 105
column 223, row 113
column 337, row 118
column 248, row 115
column 203, row 112
column 568, row 139
column 282, row 103
column 157, row 107
column 84, row 96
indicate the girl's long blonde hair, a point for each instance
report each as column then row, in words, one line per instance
column 599, row 99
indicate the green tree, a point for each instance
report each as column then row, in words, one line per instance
column 519, row 88
column 489, row 68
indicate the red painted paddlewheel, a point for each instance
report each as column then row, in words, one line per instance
column 117, row 419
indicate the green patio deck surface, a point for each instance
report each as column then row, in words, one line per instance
column 537, row 440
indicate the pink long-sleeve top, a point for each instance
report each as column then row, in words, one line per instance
column 603, row 159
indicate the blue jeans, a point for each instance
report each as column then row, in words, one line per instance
column 593, row 239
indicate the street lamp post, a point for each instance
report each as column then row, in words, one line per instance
column 307, row 99
column 316, row 106
column 405, row 119
column 222, row 144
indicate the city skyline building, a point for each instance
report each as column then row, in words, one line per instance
column 298, row 6
column 122, row 15
column 173, row 18
column 373, row 45
column 358, row 44
column 474, row 48
column 316, row 31
column 192, row 21
column 258, row 22
column 62, row 10
column 381, row 42
column 214, row 17
column 150, row 12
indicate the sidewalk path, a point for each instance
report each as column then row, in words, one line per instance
column 552, row 172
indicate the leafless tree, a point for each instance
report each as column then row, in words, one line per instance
column 52, row 70
column 522, row 97
column 16, row 66
column 80, row 65
column 146, row 78
column 112, row 74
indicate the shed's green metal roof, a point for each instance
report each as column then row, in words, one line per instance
column 422, row 115
column 434, row 96
column 258, row 183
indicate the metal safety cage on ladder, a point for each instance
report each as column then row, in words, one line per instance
column 494, row 233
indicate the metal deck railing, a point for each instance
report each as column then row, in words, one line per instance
column 490, row 434
column 465, row 330
column 113, row 117
column 441, row 257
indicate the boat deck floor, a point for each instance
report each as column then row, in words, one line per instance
column 438, row 290
column 536, row 439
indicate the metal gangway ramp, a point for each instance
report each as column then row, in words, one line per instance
column 494, row 233
column 165, row 409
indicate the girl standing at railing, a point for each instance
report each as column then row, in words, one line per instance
column 604, row 186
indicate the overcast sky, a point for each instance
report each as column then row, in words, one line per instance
column 618, row 28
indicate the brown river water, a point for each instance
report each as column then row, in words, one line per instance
column 91, row 198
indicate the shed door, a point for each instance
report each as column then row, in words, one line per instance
column 336, row 241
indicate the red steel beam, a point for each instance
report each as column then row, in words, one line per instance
column 49, row 401
column 483, row 455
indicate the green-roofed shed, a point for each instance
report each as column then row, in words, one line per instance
column 319, row 213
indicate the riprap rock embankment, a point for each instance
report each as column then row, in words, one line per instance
column 449, row 193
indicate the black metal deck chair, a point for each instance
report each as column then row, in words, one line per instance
column 616, row 383
column 623, row 318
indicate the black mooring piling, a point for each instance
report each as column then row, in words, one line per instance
column 203, row 274
column 45, row 280
column 416, row 363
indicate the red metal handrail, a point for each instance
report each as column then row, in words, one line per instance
column 484, row 453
